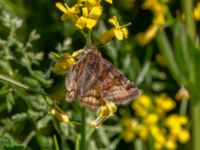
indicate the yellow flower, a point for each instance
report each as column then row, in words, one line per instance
column 143, row 131
column 151, row 119
column 155, row 6
column 159, row 19
column 142, row 105
column 184, row 136
column 109, row 1
column 180, row 120
column 171, row 144
column 91, row 3
column 145, row 37
column 61, row 116
column 144, row 100
column 196, row 12
column 159, row 12
column 157, row 134
column 164, row 102
column 64, row 64
column 118, row 31
column 69, row 13
column 127, row 136
column 104, row 112
column 90, row 17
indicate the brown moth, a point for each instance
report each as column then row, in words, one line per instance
column 94, row 81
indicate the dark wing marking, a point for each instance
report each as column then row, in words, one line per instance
column 114, row 86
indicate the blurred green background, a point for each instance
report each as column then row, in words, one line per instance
column 166, row 63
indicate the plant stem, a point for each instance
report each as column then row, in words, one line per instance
column 7, row 79
column 196, row 126
column 89, row 42
column 55, row 142
column 83, row 128
column 187, row 6
column 183, row 107
column 167, row 52
column 28, row 138
column 138, row 144
column 77, row 146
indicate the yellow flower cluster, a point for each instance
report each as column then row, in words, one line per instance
column 86, row 13
column 159, row 10
column 152, row 121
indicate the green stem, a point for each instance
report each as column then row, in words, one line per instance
column 83, row 129
column 7, row 79
column 183, row 107
column 126, row 25
column 196, row 126
column 187, row 6
column 19, row 84
column 28, row 138
column 55, row 142
column 138, row 144
column 89, row 40
column 167, row 52
column 77, row 146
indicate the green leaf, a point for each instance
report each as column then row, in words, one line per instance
column 4, row 141
column 184, row 52
column 13, row 148
column 8, row 144
column 10, row 101
column 167, row 52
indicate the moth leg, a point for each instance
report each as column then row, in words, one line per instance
column 104, row 112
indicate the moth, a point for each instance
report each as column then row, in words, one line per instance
column 94, row 81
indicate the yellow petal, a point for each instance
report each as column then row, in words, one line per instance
column 85, row 11
column 147, row 36
column 91, row 23
column 114, row 21
column 184, row 136
column 72, row 14
column 81, row 22
column 159, row 19
column 196, row 12
column 64, row 64
column 93, row 2
column 96, row 12
column 60, row 6
column 107, row 36
column 118, row 34
column 125, row 32
column 109, row 1
column 77, row 53
column 63, row 117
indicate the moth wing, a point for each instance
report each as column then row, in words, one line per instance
column 114, row 86
column 92, row 98
column 84, row 74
